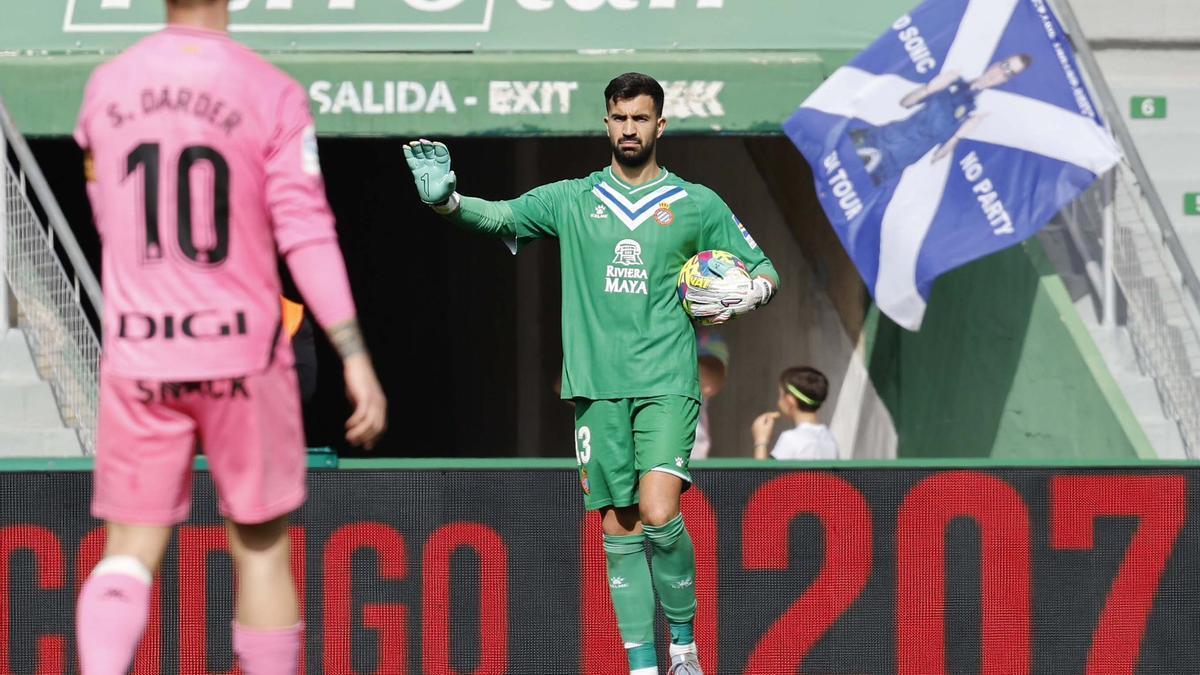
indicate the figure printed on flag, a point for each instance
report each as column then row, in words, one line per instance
column 948, row 112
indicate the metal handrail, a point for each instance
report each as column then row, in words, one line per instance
column 1116, row 124
column 58, row 222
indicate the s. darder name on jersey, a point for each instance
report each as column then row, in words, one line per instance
column 625, row 280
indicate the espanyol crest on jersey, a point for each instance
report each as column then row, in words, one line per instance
column 961, row 131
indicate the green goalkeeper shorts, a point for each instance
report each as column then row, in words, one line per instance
column 618, row 441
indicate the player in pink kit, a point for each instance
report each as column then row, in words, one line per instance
column 202, row 167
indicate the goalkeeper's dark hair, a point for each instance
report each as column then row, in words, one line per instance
column 632, row 85
column 187, row 4
column 810, row 383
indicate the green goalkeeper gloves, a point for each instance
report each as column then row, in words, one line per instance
column 429, row 162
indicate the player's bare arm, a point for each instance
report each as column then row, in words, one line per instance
column 369, row 419
column 319, row 274
column 347, row 339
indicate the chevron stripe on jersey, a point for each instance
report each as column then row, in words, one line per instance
column 636, row 213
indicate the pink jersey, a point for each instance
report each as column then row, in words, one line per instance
column 204, row 167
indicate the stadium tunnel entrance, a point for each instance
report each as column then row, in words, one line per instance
column 466, row 337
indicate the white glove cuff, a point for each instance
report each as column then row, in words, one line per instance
column 766, row 290
column 449, row 206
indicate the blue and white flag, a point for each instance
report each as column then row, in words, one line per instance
column 959, row 132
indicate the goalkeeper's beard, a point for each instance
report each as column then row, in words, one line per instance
column 635, row 159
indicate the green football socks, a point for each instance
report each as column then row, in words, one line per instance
column 630, row 580
column 632, row 597
column 674, row 561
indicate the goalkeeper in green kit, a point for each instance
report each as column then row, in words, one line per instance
column 629, row 349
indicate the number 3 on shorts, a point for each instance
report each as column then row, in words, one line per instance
column 583, row 445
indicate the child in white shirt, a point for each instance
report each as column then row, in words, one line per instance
column 802, row 390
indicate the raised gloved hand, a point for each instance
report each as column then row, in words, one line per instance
column 429, row 162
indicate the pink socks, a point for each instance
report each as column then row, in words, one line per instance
column 111, row 615
column 267, row 651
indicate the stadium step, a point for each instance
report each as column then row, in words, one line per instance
column 30, row 424
column 28, row 405
column 1164, row 438
column 1140, row 391
column 39, row 443
column 1117, row 349
column 16, row 363
column 1142, row 395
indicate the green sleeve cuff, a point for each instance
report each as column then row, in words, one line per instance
column 481, row 215
column 766, row 269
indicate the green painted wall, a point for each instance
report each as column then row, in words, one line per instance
column 1002, row 368
column 476, row 94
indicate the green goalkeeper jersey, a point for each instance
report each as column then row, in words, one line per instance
column 625, row 333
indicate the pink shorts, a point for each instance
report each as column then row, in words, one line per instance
column 250, row 429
